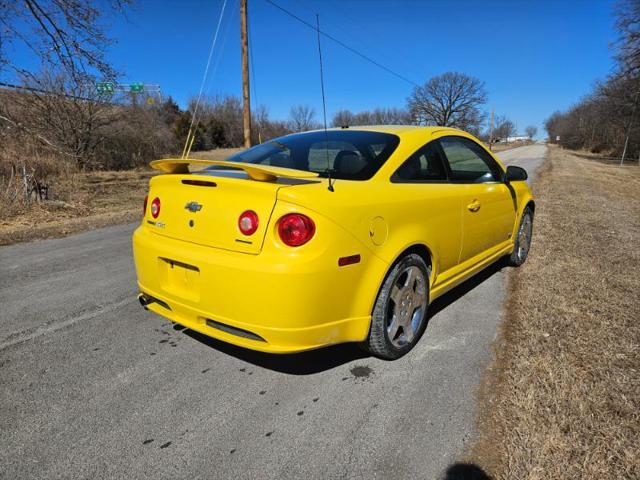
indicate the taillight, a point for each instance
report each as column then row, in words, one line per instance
column 144, row 209
column 155, row 207
column 296, row 229
column 248, row 222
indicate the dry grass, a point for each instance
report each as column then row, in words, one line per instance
column 562, row 400
column 217, row 154
column 82, row 201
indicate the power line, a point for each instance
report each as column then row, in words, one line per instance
column 252, row 72
column 225, row 32
column 346, row 28
column 344, row 45
column 46, row 92
column 194, row 120
column 252, row 64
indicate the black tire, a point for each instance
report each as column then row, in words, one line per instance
column 387, row 316
column 523, row 239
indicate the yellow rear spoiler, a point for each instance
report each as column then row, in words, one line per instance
column 261, row 173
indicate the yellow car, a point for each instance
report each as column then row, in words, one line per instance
column 324, row 237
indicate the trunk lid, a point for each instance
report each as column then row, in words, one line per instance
column 205, row 209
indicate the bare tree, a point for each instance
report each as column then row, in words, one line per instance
column 220, row 125
column 452, row 99
column 607, row 119
column 219, row 122
column 301, row 118
column 552, row 126
column 266, row 128
column 77, row 128
column 628, row 25
column 378, row 116
column 58, row 119
column 628, row 56
column 385, row 116
column 504, row 129
column 275, row 128
column 343, row 118
column 60, row 33
column 603, row 121
column 531, row 131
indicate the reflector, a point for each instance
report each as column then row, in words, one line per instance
column 155, row 207
column 350, row 260
column 248, row 222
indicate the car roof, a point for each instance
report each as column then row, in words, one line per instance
column 399, row 130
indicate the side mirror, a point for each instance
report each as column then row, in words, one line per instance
column 515, row 174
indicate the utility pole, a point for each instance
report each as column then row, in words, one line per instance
column 244, row 44
column 491, row 130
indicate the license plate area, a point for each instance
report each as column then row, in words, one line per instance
column 179, row 279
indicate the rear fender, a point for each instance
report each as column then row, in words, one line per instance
column 351, row 288
column 524, row 198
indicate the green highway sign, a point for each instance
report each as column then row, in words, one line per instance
column 105, row 87
column 134, row 89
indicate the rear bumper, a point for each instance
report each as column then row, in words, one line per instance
column 291, row 303
column 276, row 340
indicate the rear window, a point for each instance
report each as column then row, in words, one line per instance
column 349, row 154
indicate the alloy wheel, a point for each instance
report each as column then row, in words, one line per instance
column 524, row 237
column 407, row 306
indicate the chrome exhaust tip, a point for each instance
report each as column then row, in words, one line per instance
column 144, row 300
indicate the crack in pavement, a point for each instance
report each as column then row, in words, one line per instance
column 53, row 326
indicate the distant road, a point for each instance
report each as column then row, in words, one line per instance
column 93, row 386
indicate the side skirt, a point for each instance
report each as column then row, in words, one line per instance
column 468, row 269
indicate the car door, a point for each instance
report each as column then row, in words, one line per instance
column 488, row 209
column 430, row 204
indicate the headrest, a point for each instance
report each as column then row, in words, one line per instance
column 348, row 162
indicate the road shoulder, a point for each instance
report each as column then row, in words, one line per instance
column 559, row 398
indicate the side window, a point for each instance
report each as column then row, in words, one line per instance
column 468, row 162
column 425, row 165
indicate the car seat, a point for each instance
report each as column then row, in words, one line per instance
column 348, row 163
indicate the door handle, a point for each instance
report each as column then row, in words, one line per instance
column 474, row 206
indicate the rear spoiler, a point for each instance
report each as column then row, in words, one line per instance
column 261, row 173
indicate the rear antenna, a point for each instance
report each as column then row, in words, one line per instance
column 324, row 105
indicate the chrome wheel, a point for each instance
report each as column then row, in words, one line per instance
column 524, row 237
column 407, row 306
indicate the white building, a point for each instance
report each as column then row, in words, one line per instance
column 517, row 138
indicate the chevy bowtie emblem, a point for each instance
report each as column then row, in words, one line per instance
column 193, row 207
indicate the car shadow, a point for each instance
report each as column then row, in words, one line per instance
column 316, row 361
column 304, row 363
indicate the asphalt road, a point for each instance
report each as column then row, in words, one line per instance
column 93, row 386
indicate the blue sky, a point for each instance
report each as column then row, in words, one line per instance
column 535, row 57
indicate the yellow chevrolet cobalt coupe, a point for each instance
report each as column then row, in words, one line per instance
column 324, row 237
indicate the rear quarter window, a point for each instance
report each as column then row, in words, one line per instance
column 345, row 154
